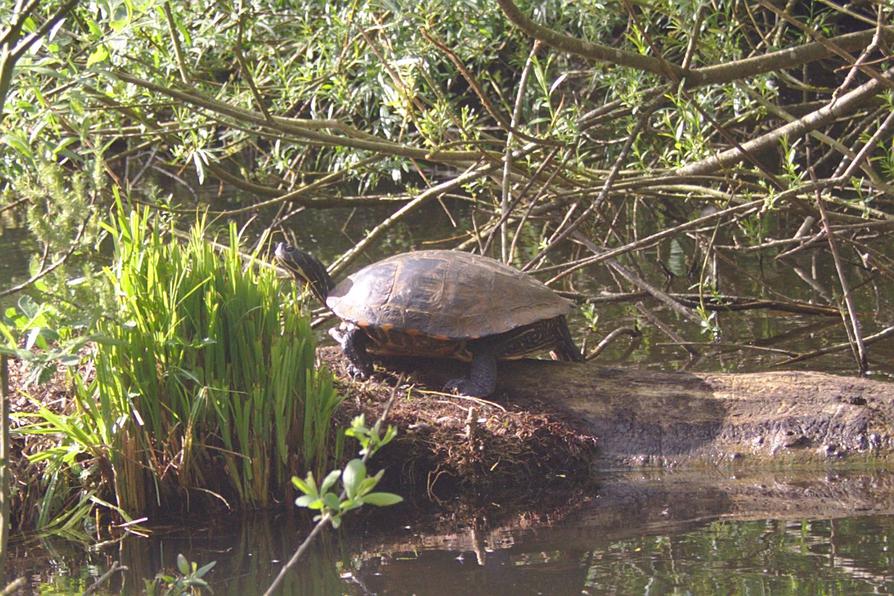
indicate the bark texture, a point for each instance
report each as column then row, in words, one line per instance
column 645, row 417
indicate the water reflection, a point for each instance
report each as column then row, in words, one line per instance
column 708, row 533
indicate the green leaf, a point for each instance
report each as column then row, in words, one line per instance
column 308, row 501
column 100, row 54
column 17, row 142
column 389, row 434
column 182, row 564
column 349, row 504
column 330, row 501
column 382, row 499
column 205, row 569
column 32, row 337
column 369, row 483
column 353, row 475
column 330, row 480
column 308, row 486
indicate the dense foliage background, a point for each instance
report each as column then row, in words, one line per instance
column 575, row 126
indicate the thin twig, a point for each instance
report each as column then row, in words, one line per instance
column 867, row 148
column 869, row 339
column 562, row 234
column 634, row 334
column 507, row 153
column 673, row 335
column 854, row 331
column 246, row 71
column 876, row 41
column 569, row 268
column 532, row 203
column 115, row 568
column 470, row 174
column 175, row 39
column 642, row 284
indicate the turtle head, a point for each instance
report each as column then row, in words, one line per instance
column 306, row 268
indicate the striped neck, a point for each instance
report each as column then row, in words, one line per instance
column 306, row 268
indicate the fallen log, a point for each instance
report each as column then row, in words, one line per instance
column 647, row 417
column 644, row 417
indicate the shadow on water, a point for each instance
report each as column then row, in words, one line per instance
column 709, row 532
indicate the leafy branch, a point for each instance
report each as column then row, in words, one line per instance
column 357, row 485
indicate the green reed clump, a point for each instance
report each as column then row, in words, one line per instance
column 205, row 383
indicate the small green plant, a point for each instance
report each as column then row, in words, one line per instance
column 356, row 491
column 709, row 324
column 356, row 485
column 188, row 580
column 591, row 315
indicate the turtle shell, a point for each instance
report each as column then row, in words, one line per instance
column 449, row 295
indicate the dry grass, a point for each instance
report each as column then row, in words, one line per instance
column 27, row 483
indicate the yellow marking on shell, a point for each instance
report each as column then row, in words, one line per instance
column 386, row 327
column 413, row 332
column 441, row 337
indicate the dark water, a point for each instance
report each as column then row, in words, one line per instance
column 714, row 533
column 706, row 533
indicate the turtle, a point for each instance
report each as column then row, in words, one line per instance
column 439, row 303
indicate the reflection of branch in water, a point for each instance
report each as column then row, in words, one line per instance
column 869, row 339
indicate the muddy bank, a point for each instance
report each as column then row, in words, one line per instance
column 451, row 446
column 638, row 417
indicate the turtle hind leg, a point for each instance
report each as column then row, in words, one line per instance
column 353, row 342
column 564, row 347
column 482, row 379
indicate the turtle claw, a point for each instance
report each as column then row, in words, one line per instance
column 359, row 373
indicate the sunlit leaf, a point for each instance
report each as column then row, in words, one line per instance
column 382, row 499
column 100, row 54
column 353, row 475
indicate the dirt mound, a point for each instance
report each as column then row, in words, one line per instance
column 450, row 445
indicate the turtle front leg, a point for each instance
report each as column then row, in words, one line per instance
column 483, row 377
column 353, row 342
